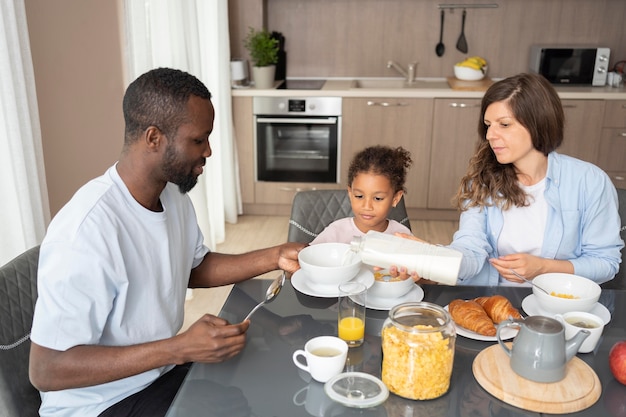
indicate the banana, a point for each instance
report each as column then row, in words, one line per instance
column 474, row 62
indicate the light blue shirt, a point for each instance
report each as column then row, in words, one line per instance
column 582, row 226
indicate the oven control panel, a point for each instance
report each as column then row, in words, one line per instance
column 297, row 106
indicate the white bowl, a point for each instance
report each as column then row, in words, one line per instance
column 389, row 289
column 328, row 264
column 468, row 74
column 586, row 291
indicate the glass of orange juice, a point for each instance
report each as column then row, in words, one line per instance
column 351, row 323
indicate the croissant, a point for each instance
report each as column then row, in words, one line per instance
column 498, row 308
column 470, row 315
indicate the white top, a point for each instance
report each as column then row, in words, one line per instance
column 343, row 230
column 524, row 227
column 113, row 273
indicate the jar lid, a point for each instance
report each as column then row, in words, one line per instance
column 356, row 389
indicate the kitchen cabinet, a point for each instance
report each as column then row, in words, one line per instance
column 244, row 141
column 612, row 152
column 453, row 142
column 583, row 124
column 402, row 122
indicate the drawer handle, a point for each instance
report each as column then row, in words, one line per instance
column 622, row 134
column 463, row 105
column 386, row 104
column 618, row 178
column 569, row 106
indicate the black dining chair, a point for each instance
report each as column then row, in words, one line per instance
column 18, row 293
column 313, row 210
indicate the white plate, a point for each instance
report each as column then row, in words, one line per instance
column 505, row 334
column 532, row 308
column 381, row 303
column 299, row 281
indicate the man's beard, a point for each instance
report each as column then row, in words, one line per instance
column 176, row 172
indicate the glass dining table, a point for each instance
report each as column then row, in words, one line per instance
column 262, row 380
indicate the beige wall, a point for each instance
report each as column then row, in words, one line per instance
column 77, row 59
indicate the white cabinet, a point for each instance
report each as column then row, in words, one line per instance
column 402, row 122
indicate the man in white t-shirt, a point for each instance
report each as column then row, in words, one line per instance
column 117, row 260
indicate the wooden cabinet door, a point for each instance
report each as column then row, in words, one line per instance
column 583, row 127
column 454, row 139
column 244, row 140
column 402, row 122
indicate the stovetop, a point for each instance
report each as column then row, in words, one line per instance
column 295, row 84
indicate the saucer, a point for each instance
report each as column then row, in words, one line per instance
column 532, row 308
column 382, row 303
column 299, row 281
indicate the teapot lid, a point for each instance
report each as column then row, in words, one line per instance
column 543, row 324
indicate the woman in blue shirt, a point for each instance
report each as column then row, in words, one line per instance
column 526, row 208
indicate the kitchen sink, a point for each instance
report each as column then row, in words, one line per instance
column 394, row 83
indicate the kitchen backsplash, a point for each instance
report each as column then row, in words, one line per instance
column 356, row 38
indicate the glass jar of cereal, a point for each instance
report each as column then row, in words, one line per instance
column 418, row 350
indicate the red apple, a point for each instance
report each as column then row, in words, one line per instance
column 617, row 361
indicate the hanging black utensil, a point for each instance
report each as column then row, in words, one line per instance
column 461, row 44
column 441, row 48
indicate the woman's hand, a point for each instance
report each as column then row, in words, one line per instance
column 528, row 266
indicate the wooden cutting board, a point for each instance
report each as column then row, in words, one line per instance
column 579, row 389
column 480, row 85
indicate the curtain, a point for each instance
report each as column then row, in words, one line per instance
column 24, row 208
column 192, row 36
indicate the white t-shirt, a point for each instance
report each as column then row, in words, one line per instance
column 524, row 227
column 113, row 273
column 343, row 230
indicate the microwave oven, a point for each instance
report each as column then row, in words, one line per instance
column 571, row 65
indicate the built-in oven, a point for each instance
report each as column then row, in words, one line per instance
column 297, row 139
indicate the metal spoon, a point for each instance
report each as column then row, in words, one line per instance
column 461, row 44
column 530, row 281
column 441, row 48
column 270, row 294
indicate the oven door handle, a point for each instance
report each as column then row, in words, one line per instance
column 311, row 121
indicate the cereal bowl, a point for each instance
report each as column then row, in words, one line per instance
column 568, row 293
column 329, row 263
column 386, row 286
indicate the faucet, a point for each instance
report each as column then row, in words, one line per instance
column 409, row 74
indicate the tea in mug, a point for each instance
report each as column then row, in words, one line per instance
column 582, row 323
column 326, row 352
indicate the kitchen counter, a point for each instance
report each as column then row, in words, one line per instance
column 342, row 87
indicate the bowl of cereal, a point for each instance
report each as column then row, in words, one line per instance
column 329, row 263
column 386, row 286
column 567, row 292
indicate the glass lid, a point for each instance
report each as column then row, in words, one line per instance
column 356, row 389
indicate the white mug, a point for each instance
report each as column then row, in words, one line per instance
column 574, row 321
column 325, row 357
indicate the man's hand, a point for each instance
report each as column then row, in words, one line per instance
column 212, row 339
column 288, row 256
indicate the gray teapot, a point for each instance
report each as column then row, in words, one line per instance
column 540, row 351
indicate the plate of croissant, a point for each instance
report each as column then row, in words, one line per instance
column 477, row 318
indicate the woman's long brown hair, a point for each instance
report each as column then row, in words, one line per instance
column 536, row 106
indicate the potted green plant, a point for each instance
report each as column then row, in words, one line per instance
column 263, row 51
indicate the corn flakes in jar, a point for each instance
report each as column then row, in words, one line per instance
column 418, row 350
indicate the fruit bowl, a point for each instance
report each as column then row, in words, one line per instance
column 469, row 74
column 473, row 68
